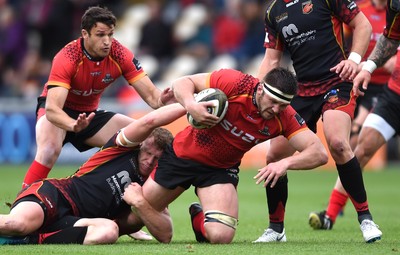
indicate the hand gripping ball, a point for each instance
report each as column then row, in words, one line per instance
column 220, row 107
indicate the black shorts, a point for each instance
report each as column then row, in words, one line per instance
column 58, row 213
column 339, row 97
column 172, row 172
column 370, row 98
column 388, row 107
column 78, row 139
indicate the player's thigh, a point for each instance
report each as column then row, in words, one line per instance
column 28, row 217
column 337, row 127
column 117, row 122
column 361, row 115
column 279, row 148
column 369, row 141
column 48, row 134
column 158, row 196
column 221, row 197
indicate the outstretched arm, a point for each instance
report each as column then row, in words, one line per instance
column 140, row 129
column 55, row 101
column 312, row 153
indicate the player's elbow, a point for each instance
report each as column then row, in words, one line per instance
column 50, row 112
column 150, row 121
column 165, row 237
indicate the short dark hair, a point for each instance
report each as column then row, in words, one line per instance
column 96, row 14
column 282, row 79
column 162, row 137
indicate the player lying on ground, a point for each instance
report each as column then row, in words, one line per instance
column 103, row 199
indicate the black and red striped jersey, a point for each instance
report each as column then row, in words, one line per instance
column 312, row 33
column 96, row 188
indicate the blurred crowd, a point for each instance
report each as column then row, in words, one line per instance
column 170, row 38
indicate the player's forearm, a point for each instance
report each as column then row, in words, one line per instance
column 271, row 60
column 313, row 156
column 159, row 224
column 184, row 89
column 361, row 38
column 384, row 49
column 59, row 118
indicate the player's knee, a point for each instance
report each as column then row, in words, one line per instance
column 48, row 153
column 223, row 231
column 365, row 151
column 220, row 237
column 337, row 146
column 107, row 233
column 17, row 226
column 111, row 232
column 165, row 237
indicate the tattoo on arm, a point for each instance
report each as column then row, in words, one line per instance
column 384, row 49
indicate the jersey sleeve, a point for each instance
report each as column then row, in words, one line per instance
column 229, row 81
column 345, row 10
column 272, row 39
column 292, row 122
column 392, row 29
column 131, row 68
column 64, row 66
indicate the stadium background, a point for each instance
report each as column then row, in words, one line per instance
column 170, row 39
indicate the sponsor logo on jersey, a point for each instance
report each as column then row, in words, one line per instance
column 281, row 17
column 299, row 119
column 235, row 131
column 307, row 7
column 291, row 2
column 289, row 30
column 137, row 64
column 232, row 172
column 87, row 92
column 352, row 5
column 93, row 74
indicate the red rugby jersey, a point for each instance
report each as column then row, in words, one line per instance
column 392, row 31
column 87, row 79
column 242, row 128
column 377, row 19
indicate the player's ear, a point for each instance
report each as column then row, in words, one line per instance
column 84, row 34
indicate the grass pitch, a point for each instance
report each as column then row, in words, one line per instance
column 308, row 191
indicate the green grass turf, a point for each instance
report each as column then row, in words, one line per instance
column 308, row 191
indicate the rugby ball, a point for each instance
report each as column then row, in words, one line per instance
column 219, row 108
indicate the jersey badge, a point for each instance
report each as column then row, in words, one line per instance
column 107, row 79
column 331, row 96
column 307, row 7
column 265, row 131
